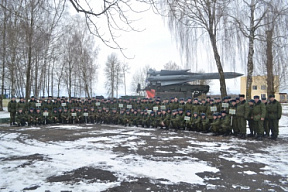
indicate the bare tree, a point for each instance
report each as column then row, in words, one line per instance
column 113, row 14
column 125, row 69
column 112, row 73
column 171, row 66
column 275, row 27
column 248, row 28
column 139, row 78
column 203, row 16
column 4, row 50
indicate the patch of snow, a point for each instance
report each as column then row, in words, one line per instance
column 70, row 155
column 4, row 113
column 249, row 172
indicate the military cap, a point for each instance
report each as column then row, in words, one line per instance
column 60, row 108
column 272, row 96
column 55, row 109
column 38, row 109
column 21, row 97
column 252, row 101
column 31, row 108
column 152, row 112
column 263, row 99
column 188, row 111
column 45, row 109
column 32, row 97
column 219, row 114
column 233, row 100
column 223, row 111
column 237, row 98
column 208, row 97
column 241, row 95
column 203, row 114
column 215, row 114
column 180, row 109
column 211, row 100
column 228, row 97
column 195, row 99
column 171, row 98
column 195, row 113
column 189, row 98
column 175, row 110
column 181, row 99
column 256, row 97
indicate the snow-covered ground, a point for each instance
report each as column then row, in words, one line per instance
column 31, row 156
column 5, row 113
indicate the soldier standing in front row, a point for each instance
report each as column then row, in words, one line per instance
column 242, row 114
column 274, row 109
column 258, row 116
column 12, row 108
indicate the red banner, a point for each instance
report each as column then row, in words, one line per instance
column 150, row 93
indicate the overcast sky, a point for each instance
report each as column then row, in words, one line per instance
column 154, row 46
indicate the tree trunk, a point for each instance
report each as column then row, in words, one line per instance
column 3, row 57
column 218, row 64
column 269, row 62
column 36, row 92
column 250, row 64
column 29, row 65
column 124, row 82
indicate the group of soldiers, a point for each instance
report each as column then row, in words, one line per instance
column 222, row 117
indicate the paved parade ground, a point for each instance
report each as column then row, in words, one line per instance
column 115, row 158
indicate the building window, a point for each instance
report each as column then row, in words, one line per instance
column 254, row 87
column 263, row 96
column 263, row 87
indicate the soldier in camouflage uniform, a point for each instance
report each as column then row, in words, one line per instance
column 38, row 120
column 232, row 113
column 265, row 123
column 12, row 108
column 92, row 115
column 274, row 110
column 195, row 122
column 30, row 116
column 65, row 115
column 225, row 127
column 21, row 118
column 215, row 125
column 195, row 106
column 204, row 125
column 22, row 105
column 165, row 119
column 242, row 114
column 54, row 116
column 187, row 123
column 258, row 116
column 250, row 120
